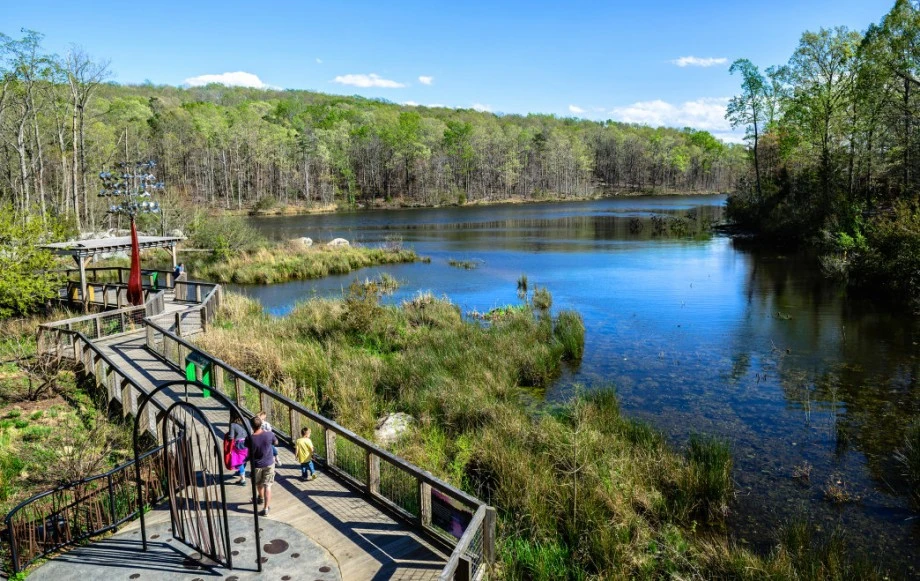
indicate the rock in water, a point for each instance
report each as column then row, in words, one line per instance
column 392, row 427
column 339, row 242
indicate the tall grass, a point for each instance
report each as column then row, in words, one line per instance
column 582, row 491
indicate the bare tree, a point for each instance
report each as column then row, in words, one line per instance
column 83, row 75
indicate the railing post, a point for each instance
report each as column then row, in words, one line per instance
column 197, row 293
column 488, row 535
column 14, row 551
column 237, row 383
column 424, row 504
column 330, row 447
column 294, row 418
column 265, row 401
column 218, row 378
column 98, row 327
column 111, row 500
column 373, row 473
column 178, row 323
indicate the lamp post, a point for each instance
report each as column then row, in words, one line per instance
column 132, row 188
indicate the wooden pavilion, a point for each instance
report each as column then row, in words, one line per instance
column 83, row 251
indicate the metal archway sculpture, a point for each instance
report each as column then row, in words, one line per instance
column 193, row 468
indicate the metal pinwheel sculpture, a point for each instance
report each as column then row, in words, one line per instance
column 132, row 189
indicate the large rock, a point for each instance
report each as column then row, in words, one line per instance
column 339, row 242
column 304, row 241
column 391, row 428
column 177, row 233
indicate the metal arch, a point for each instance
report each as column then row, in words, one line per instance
column 234, row 410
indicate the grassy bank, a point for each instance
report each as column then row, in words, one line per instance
column 582, row 491
column 51, row 431
column 292, row 261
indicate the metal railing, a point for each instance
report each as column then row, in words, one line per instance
column 459, row 521
column 74, row 512
column 79, row 510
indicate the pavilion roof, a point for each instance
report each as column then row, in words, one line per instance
column 96, row 246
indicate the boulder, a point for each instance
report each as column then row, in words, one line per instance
column 177, row 233
column 339, row 242
column 392, row 427
column 303, row 241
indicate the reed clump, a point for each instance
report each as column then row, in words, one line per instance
column 286, row 262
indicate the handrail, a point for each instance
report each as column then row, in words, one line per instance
column 90, row 357
column 472, row 550
column 453, row 518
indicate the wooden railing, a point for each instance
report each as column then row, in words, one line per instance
column 100, row 325
column 76, row 511
column 101, row 295
column 461, row 522
column 120, row 274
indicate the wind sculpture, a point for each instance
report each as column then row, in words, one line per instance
column 132, row 188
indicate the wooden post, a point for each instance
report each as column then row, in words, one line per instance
column 266, row 402
column 237, row 382
column 488, row 535
column 373, row 473
column 178, row 323
column 82, row 265
column 197, row 293
column 175, row 262
column 330, row 447
column 127, row 397
column 218, row 373
column 424, row 504
column 295, row 423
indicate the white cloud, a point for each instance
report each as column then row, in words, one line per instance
column 425, row 80
column 433, row 105
column 706, row 114
column 237, row 79
column 410, row 104
column 364, row 81
column 319, row 61
column 482, row 108
column 576, row 109
column 695, row 61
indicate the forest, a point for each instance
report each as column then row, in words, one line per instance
column 835, row 151
column 62, row 121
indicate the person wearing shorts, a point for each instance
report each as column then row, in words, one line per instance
column 260, row 445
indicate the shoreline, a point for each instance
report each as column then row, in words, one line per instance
column 300, row 209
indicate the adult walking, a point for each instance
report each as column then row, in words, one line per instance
column 260, row 445
column 235, row 449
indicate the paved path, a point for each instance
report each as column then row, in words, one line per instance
column 365, row 542
column 288, row 554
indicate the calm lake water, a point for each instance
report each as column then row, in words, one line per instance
column 696, row 333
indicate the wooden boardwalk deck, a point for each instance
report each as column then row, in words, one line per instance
column 365, row 541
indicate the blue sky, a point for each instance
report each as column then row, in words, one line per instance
column 614, row 59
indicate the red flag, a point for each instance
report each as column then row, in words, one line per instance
column 135, row 290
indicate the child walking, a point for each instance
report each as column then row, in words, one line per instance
column 304, row 451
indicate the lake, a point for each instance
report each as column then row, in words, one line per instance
column 696, row 332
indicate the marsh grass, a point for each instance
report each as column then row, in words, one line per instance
column 582, row 491
column 909, row 457
column 463, row 264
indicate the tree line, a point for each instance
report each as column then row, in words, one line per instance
column 835, row 150
column 62, row 120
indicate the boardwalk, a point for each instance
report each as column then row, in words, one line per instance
column 375, row 515
column 366, row 543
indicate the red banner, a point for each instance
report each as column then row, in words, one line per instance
column 135, row 290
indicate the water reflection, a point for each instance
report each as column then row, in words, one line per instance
column 696, row 333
